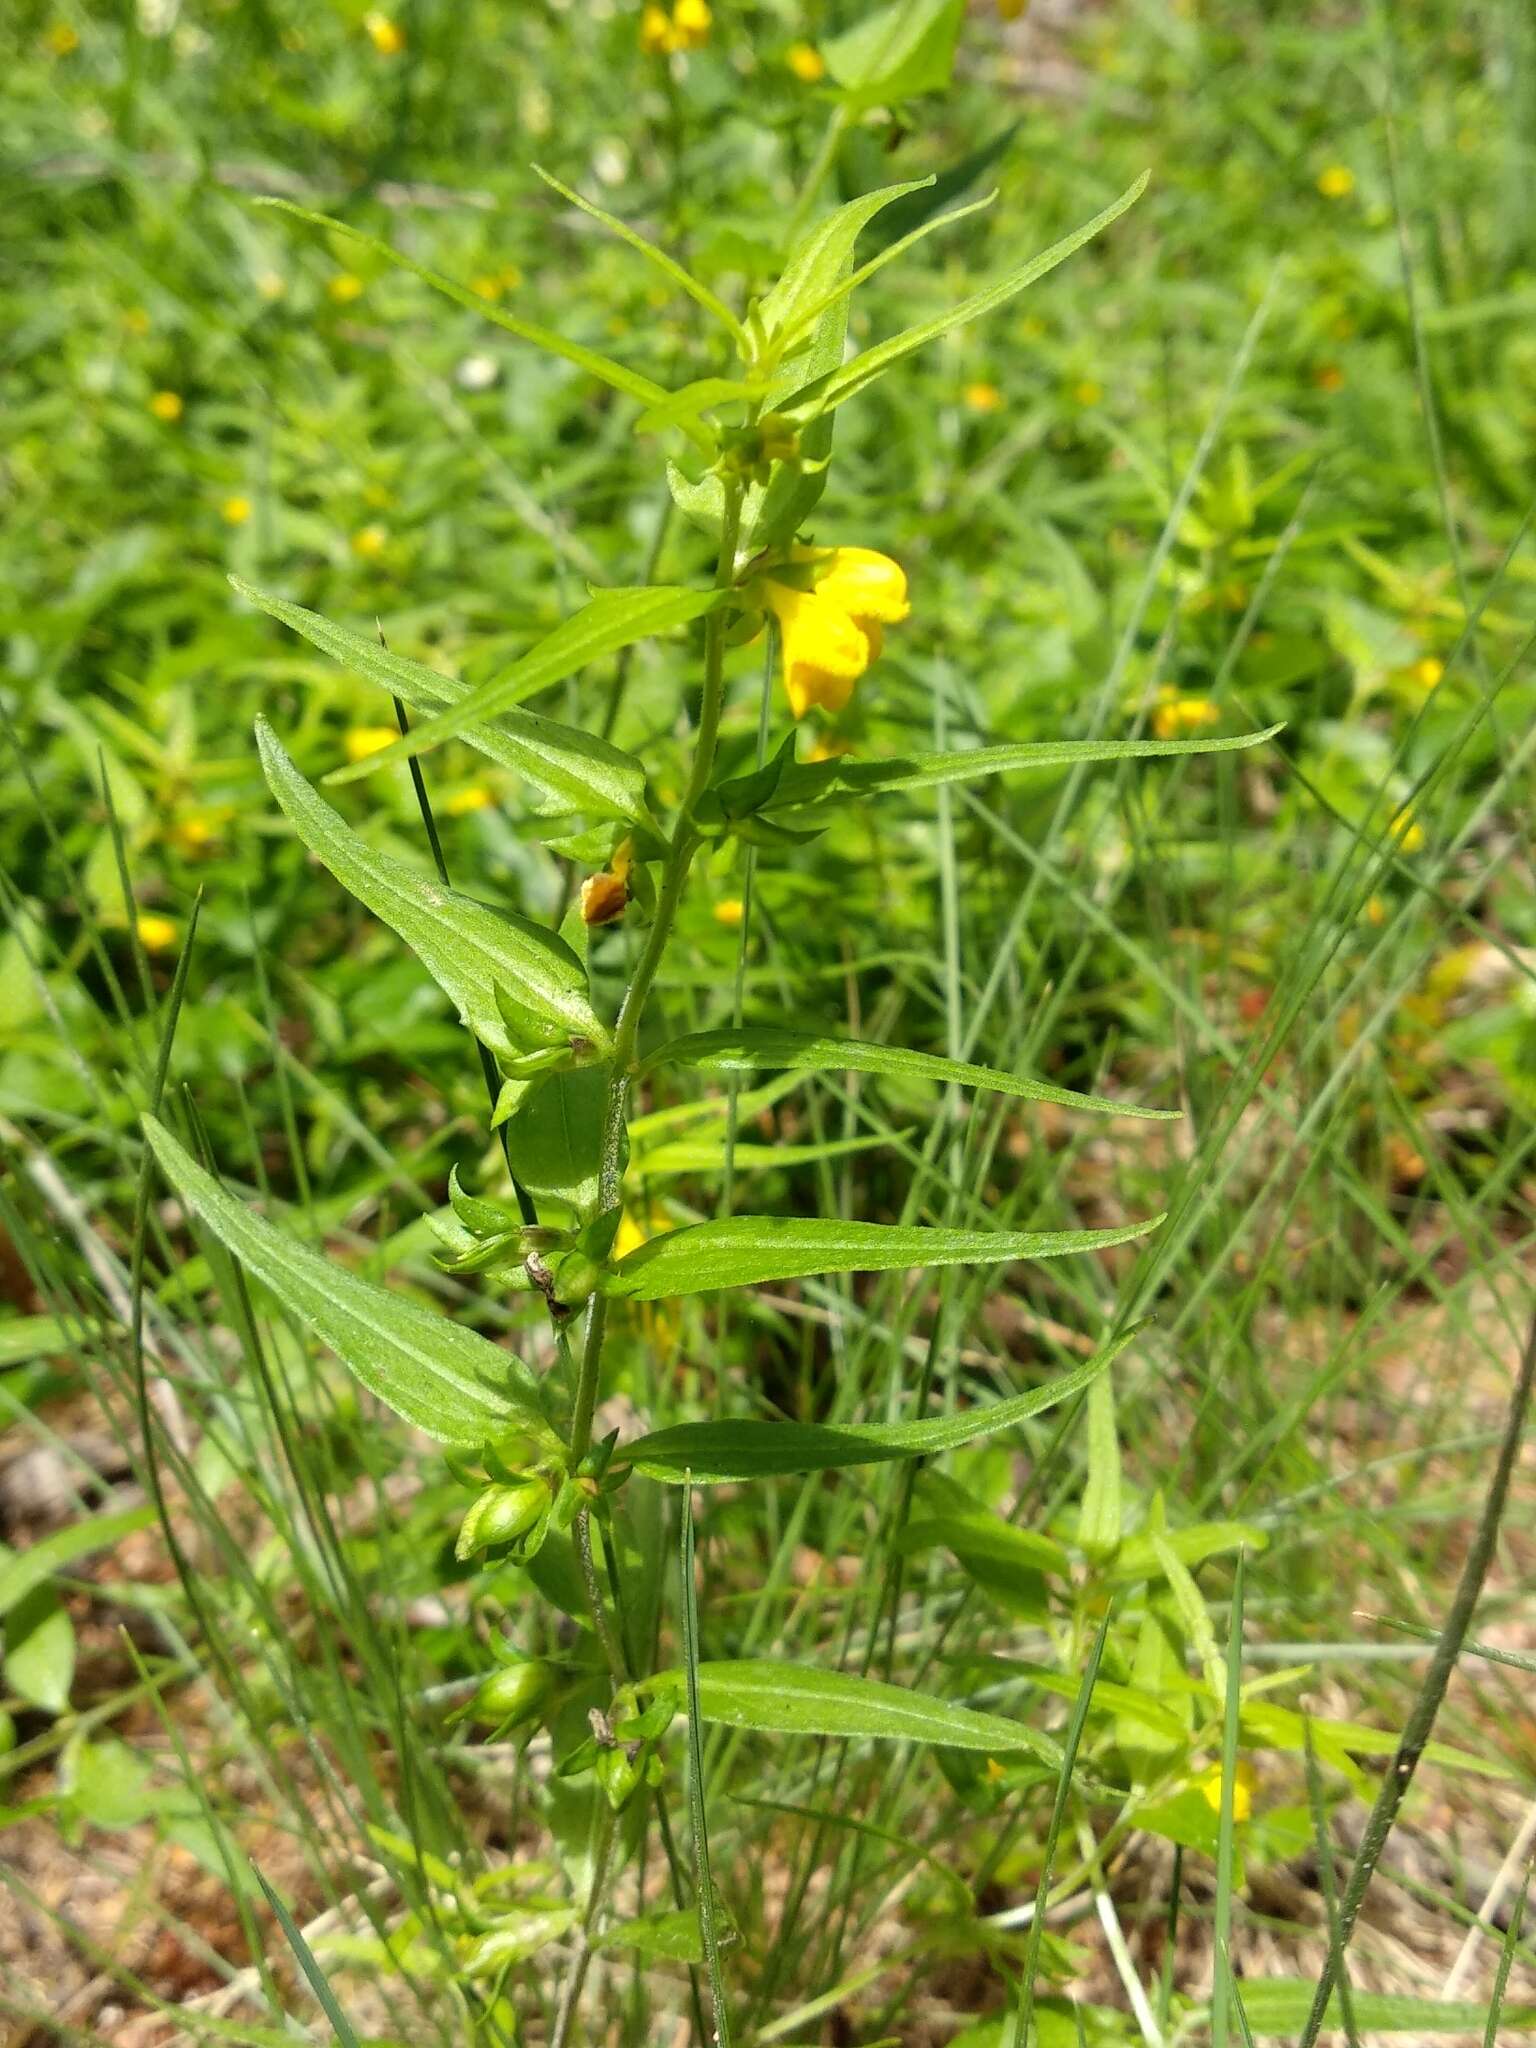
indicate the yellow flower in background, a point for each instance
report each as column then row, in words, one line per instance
column 362, row 740
column 982, row 397
column 386, row 36
column 1427, row 673
column 655, row 31
column 828, row 749
column 1242, row 1790
column 235, row 511
column 1328, row 377
column 346, row 286
column 61, row 40
column 465, row 801
column 729, row 911
column 685, row 28
column 806, row 62
column 1336, row 182
column 1087, row 391
column 831, row 604
column 369, row 542
column 167, row 406
column 486, row 287
column 1176, row 716
column 691, row 23
column 157, row 934
column 136, row 320
column 198, row 830
column 1406, row 831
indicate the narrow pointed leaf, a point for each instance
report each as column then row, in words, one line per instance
column 458, row 1387
column 749, row 1048
column 1280, row 2005
column 610, row 620
column 821, row 258
column 742, row 1251
column 818, row 783
column 715, row 1453
column 795, row 1699
column 846, row 382
column 600, row 366
column 468, row 948
column 22, row 1570
column 577, row 769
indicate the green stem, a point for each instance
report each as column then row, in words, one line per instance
column 581, row 1954
column 626, row 1034
column 821, row 163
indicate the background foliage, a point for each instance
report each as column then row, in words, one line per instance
column 1258, row 455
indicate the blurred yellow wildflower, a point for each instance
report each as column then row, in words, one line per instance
column 1087, row 391
column 486, row 287
column 157, row 934
column 691, row 23
column 1427, row 673
column 464, row 801
column 167, row 406
column 136, row 320
column 1242, row 1790
column 729, row 911
column 806, row 62
column 61, row 40
column 235, row 511
column 198, row 830
column 346, row 286
column 1176, row 716
column 685, row 28
column 386, row 36
column 655, row 35
column 828, row 749
column 830, row 604
column 369, row 542
column 1328, row 377
column 1336, row 182
column 1406, row 831
column 982, row 397
column 362, row 740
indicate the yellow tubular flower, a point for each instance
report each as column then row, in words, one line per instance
column 830, row 619
column 825, row 651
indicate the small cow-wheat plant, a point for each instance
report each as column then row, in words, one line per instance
column 751, row 448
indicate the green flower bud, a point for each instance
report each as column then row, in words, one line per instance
column 501, row 1515
column 514, row 1693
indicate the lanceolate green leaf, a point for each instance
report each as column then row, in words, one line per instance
column 821, row 258
column 817, row 264
column 467, row 948
column 22, row 1570
column 577, row 769
column 898, row 51
column 714, row 1453
column 599, row 366
column 610, row 620
column 742, row 1251
column 748, row 1048
column 458, row 1387
column 796, row 1699
column 818, row 783
column 1280, row 2005
column 846, row 382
